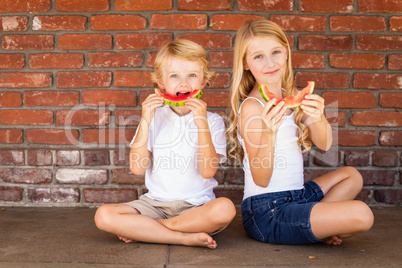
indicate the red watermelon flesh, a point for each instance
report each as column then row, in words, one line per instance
column 177, row 100
column 291, row 101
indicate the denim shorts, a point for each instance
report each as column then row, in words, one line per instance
column 282, row 217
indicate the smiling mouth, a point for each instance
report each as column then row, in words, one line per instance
column 183, row 93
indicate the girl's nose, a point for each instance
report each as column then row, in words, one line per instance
column 268, row 62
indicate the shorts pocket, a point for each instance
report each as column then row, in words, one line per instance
column 252, row 229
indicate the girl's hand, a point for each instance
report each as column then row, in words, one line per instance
column 199, row 109
column 273, row 115
column 313, row 106
column 149, row 106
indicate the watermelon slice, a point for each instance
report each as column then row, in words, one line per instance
column 291, row 101
column 179, row 100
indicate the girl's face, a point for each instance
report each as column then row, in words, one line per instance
column 266, row 60
column 181, row 77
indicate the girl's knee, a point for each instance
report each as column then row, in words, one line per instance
column 364, row 217
column 354, row 175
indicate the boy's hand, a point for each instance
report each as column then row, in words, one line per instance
column 199, row 109
column 149, row 106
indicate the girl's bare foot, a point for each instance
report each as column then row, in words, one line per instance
column 333, row 240
column 126, row 240
column 199, row 239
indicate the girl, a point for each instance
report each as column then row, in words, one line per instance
column 277, row 206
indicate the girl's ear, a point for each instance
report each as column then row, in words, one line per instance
column 245, row 66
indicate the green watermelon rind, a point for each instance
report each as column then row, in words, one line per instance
column 290, row 102
column 177, row 103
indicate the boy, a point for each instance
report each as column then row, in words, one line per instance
column 179, row 149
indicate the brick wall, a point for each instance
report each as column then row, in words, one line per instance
column 74, row 73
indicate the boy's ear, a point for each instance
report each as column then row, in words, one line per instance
column 160, row 85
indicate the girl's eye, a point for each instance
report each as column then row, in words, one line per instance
column 258, row 57
column 174, row 76
column 276, row 52
column 192, row 75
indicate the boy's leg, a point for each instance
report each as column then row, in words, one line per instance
column 212, row 216
column 125, row 221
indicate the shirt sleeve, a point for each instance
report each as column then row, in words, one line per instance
column 150, row 136
column 217, row 129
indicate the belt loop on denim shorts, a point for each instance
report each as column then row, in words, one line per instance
column 294, row 195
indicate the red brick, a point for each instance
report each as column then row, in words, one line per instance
column 151, row 58
column 142, row 40
column 121, row 157
column 378, row 177
column 395, row 24
column 234, row 194
column 51, row 98
column 82, row 117
column 84, row 79
column 11, row 194
column 26, row 117
column 127, row 118
column 179, row 21
column 113, row 59
column 357, row 24
column 124, row 176
column 12, row 157
column 385, row 158
column 52, row 136
column 223, row 59
column 354, row 138
column 108, row 136
column 235, row 176
column 59, row 23
column 82, row 5
column 143, row 5
column 109, row 195
column 56, row 61
column 335, row 118
column 25, row 80
column 209, row 41
column 67, row 157
column 377, row 118
column 12, row 61
column 357, row 61
column 388, row 196
column 222, row 80
column 13, row 24
column 330, row 158
column 81, row 176
column 39, row 157
column 109, row 97
column 28, row 42
column 376, row 81
column 340, row 6
column 54, row 195
column 391, row 99
column 96, row 157
column 217, row 98
column 231, row 22
column 117, row 22
column 202, row 5
column 395, row 62
column 26, row 175
column 354, row 100
column 357, row 158
column 85, row 41
column 10, row 99
column 325, row 42
column 378, row 42
column 391, row 138
column 323, row 80
column 380, row 6
column 11, row 136
column 25, row 6
column 300, row 23
column 133, row 79
column 308, row 61
column 246, row 5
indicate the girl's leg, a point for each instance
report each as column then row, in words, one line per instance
column 211, row 216
column 126, row 222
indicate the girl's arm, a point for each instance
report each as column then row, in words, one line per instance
column 320, row 132
column 258, row 127
column 207, row 158
column 139, row 154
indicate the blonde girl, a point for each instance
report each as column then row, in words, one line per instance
column 278, row 207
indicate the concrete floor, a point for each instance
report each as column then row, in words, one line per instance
column 67, row 237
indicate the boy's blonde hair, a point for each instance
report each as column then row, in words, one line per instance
column 185, row 50
column 243, row 81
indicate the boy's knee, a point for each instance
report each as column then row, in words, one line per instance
column 225, row 210
column 102, row 216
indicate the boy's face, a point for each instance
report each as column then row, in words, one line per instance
column 181, row 77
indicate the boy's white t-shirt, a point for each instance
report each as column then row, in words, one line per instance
column 173, row 172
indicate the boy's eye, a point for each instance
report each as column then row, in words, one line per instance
column 173, row 76
column 192, row 75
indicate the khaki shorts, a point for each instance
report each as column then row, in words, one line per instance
column 163, row 210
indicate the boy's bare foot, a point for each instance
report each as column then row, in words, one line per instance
column 199, row 239
column 333, row 240
column 126, row 240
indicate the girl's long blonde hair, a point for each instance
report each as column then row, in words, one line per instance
column 243, row 81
